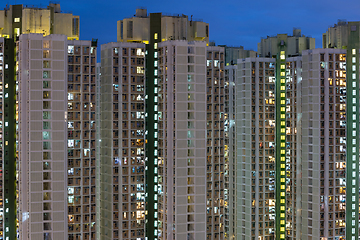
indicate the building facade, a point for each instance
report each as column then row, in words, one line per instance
column 41, row 137
column 315, row 109
column 336, row 36
column 122, row 130
column 173, row 27
column 81, row 138
column 295, row 44
column 23, row 19
column 232, row 54
column 189, row 162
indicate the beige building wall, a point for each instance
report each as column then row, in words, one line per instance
column 336, row 36
column 295, row 44
column 49, row 20
column 42, row 137
column 173, row 27
column 35, row 20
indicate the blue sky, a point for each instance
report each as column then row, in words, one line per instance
column 232, row 23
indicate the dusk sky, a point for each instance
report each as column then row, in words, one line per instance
column 232, row 23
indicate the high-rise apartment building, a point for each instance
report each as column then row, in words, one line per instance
column 217, row 191
column 40, row 137
column 81, row 138
column 324, row 143
column 189, row 158
column 184, row 147
column 162, row 129
column 122, row 129
column 330, row 140
column 255, row 121
column 295, row 44
column 22, row 19
column 54, row 121
column 268, row 157
column 312, row 125
column 42, row 57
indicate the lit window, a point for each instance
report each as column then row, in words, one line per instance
column 16, row 31
column 71, row 143
column 46, row 74
column 46, row 125
column 70, row 190
column 70, row 96
column 70, row 199
column 139, row 70
column 46, row 145
column 70, row 49
column 16, row 19
column 155, row 36
column 46, row 94
column 46, row 115
column 46, row 135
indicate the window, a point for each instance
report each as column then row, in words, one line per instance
column 16, row 31
column 16, row 19
column 47, row 206
column 46, row 104
column 46, row 44
column 46, row 115
column 46, row 74
column 46, row 166
column 46, row 94
column 46, row 54
column 46, row 185
column 70, row 49
column 47, row 226
column 46, row 145
column 46, row 155
column 46, row 125
column 46, row 135
column 46, row 64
